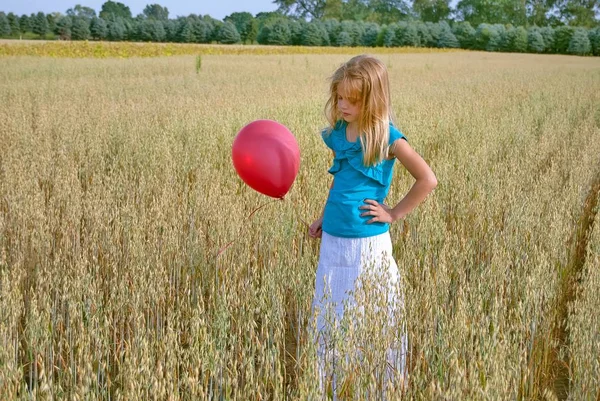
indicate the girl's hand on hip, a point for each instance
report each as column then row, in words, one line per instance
column 315, row 229
column 381, row 213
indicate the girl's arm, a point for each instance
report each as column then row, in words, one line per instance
column 425, row 182
column 314, row 230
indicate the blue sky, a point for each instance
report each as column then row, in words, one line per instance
column 215, row 8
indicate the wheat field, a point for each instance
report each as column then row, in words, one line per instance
column 132, row 266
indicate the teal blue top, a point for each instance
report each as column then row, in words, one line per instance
column 353, row 183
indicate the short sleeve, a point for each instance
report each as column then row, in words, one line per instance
column 395, row 134
column 327, row 135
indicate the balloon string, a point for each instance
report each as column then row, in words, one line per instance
column 242, row 226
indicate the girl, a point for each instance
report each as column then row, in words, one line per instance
column 354, row 225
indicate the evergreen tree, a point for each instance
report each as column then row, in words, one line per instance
column 594, row 37
column 515, row 40
column 354, row 29
column 202, row 31
column 547, row 33
column 535, row 41
column 333, row 28
column 13, row 22
column 580, row 43
column 151, row 30
column 435, row 31
column 275, row 32
column 425, row 38
column 25, row 24
column 243, row 23
column 40, row 25
column 447, row 38
column 465, row 34
column 389, row 35
column 562, row 39
column 228, row 34
column 406, row 35
column 185, row 31
column 80, row 29
column 98, row 28
column 369, row 38
column 344, row 39
column 116, row 29
column 63, row 27
column 313, row 35
column 4, row 25
column 483, row 35
column 297, row 28
column 170, row 30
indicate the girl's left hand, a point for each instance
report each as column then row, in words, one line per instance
column 381, row 213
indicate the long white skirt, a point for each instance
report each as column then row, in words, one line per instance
column 358, row 305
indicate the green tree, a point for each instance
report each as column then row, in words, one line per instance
column 117, row 30
column 275, row 32
column 406, row 34
column 333, row 28
column 228, row 34
column 547, row 33
column 314, row 34
column 80, row 29
column 344, row 39
column 580, row 12
column 535, row 41
column 314, row 9
column 98, row 28
column 13, row 22
column 112, row 10
column 369, row 38
column 4, row 25
column 151, row 30
column 447, row 38
column 40, row 25
column 202, row 30
column 388, row 11
column 81, row 11
column 170, row 30
column 354, row 29
column 537, row 10
column 425, row 38
column 580, row 43
column 157, row 12
column 515, row 40
column 465, row 34
column 244, row 23
column 25, row 23
column 562, row 39
column 594, row 37
column 432, row 10
column 185, row 30
column 389, row 34
column 63, row 27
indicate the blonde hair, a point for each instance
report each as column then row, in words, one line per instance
column 366, row 81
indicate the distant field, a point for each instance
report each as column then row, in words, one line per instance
column 138, row 49
column 117, row 192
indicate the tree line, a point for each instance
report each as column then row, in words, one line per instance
column 371, row 23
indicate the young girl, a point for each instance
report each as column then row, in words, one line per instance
column 354, row 225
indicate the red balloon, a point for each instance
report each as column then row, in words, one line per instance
column 266, row 156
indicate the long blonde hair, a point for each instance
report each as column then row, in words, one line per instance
column 366, row 81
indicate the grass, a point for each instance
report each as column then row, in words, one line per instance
column 117, row 193
column 93, row 49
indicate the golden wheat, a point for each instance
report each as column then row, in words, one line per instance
column 117, row 193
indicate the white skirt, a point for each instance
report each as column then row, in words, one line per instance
column 358, row 273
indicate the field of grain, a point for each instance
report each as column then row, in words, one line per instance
column 117, row 194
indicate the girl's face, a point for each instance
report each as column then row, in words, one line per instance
column 348, row 105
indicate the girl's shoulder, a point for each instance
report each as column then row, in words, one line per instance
column 395, row 134
column 329, row 134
